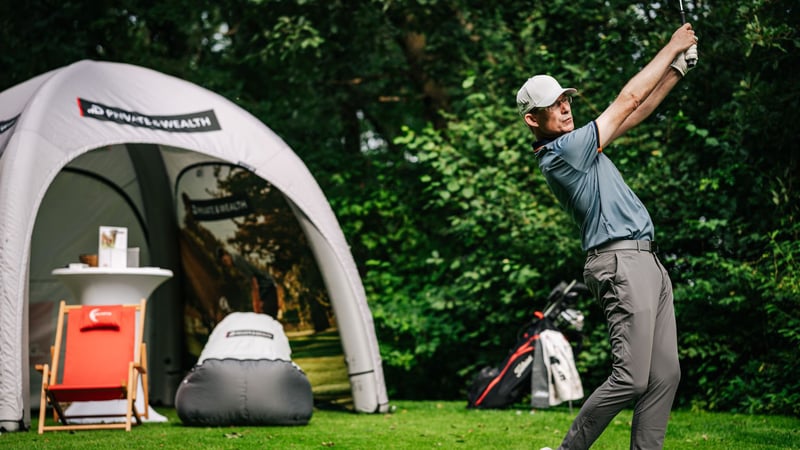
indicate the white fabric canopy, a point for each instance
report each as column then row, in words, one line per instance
column 50, row 120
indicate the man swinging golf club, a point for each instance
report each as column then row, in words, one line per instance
column 622, row 269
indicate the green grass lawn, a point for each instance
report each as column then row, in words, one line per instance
column 427, row 425
column 413, row 424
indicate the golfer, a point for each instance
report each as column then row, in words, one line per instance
column 622, row 269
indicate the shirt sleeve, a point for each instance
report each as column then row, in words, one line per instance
column 579, row 148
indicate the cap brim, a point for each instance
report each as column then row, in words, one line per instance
column 550, row 101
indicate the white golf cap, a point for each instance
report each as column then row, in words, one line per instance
column 538, row 92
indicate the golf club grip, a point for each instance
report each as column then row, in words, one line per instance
column 691, row 56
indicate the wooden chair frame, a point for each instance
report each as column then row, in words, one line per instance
column 127, row 390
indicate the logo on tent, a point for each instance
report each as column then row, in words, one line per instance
column 218, row 208
column 182, row 123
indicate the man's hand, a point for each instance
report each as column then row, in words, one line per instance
column 680, row 64
column 685, row 39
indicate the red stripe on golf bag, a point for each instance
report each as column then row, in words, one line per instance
column 527, row 348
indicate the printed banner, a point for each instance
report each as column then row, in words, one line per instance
column 219, row 208
column 182, row 123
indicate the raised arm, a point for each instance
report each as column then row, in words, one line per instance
column 667, row 82
column 645, row 91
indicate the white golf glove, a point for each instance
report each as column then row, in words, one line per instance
column 680, row 65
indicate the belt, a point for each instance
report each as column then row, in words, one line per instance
column 642, row 246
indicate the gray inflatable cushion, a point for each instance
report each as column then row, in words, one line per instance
column 244, row 392
column 245, row 376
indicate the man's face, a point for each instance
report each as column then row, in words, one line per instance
column 552, row 121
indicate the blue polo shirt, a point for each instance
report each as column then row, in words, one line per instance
column 591, row 189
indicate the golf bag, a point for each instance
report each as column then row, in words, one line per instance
column 499, row 387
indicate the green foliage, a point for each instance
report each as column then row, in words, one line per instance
column 488, row 200
column 404, row 111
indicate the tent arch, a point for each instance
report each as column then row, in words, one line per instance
column 52, row 119
column 115, row 188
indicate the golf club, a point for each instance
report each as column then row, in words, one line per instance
column 691, row 52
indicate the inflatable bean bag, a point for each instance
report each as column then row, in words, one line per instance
column 245, row 376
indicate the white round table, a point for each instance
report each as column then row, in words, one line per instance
column 109, row 286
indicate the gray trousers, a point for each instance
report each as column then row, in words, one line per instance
column 635, row 292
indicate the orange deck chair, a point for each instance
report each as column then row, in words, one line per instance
column 104, row 356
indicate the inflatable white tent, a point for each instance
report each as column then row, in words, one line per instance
column 137, row 129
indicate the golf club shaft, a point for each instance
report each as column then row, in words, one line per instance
column 691, row 52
